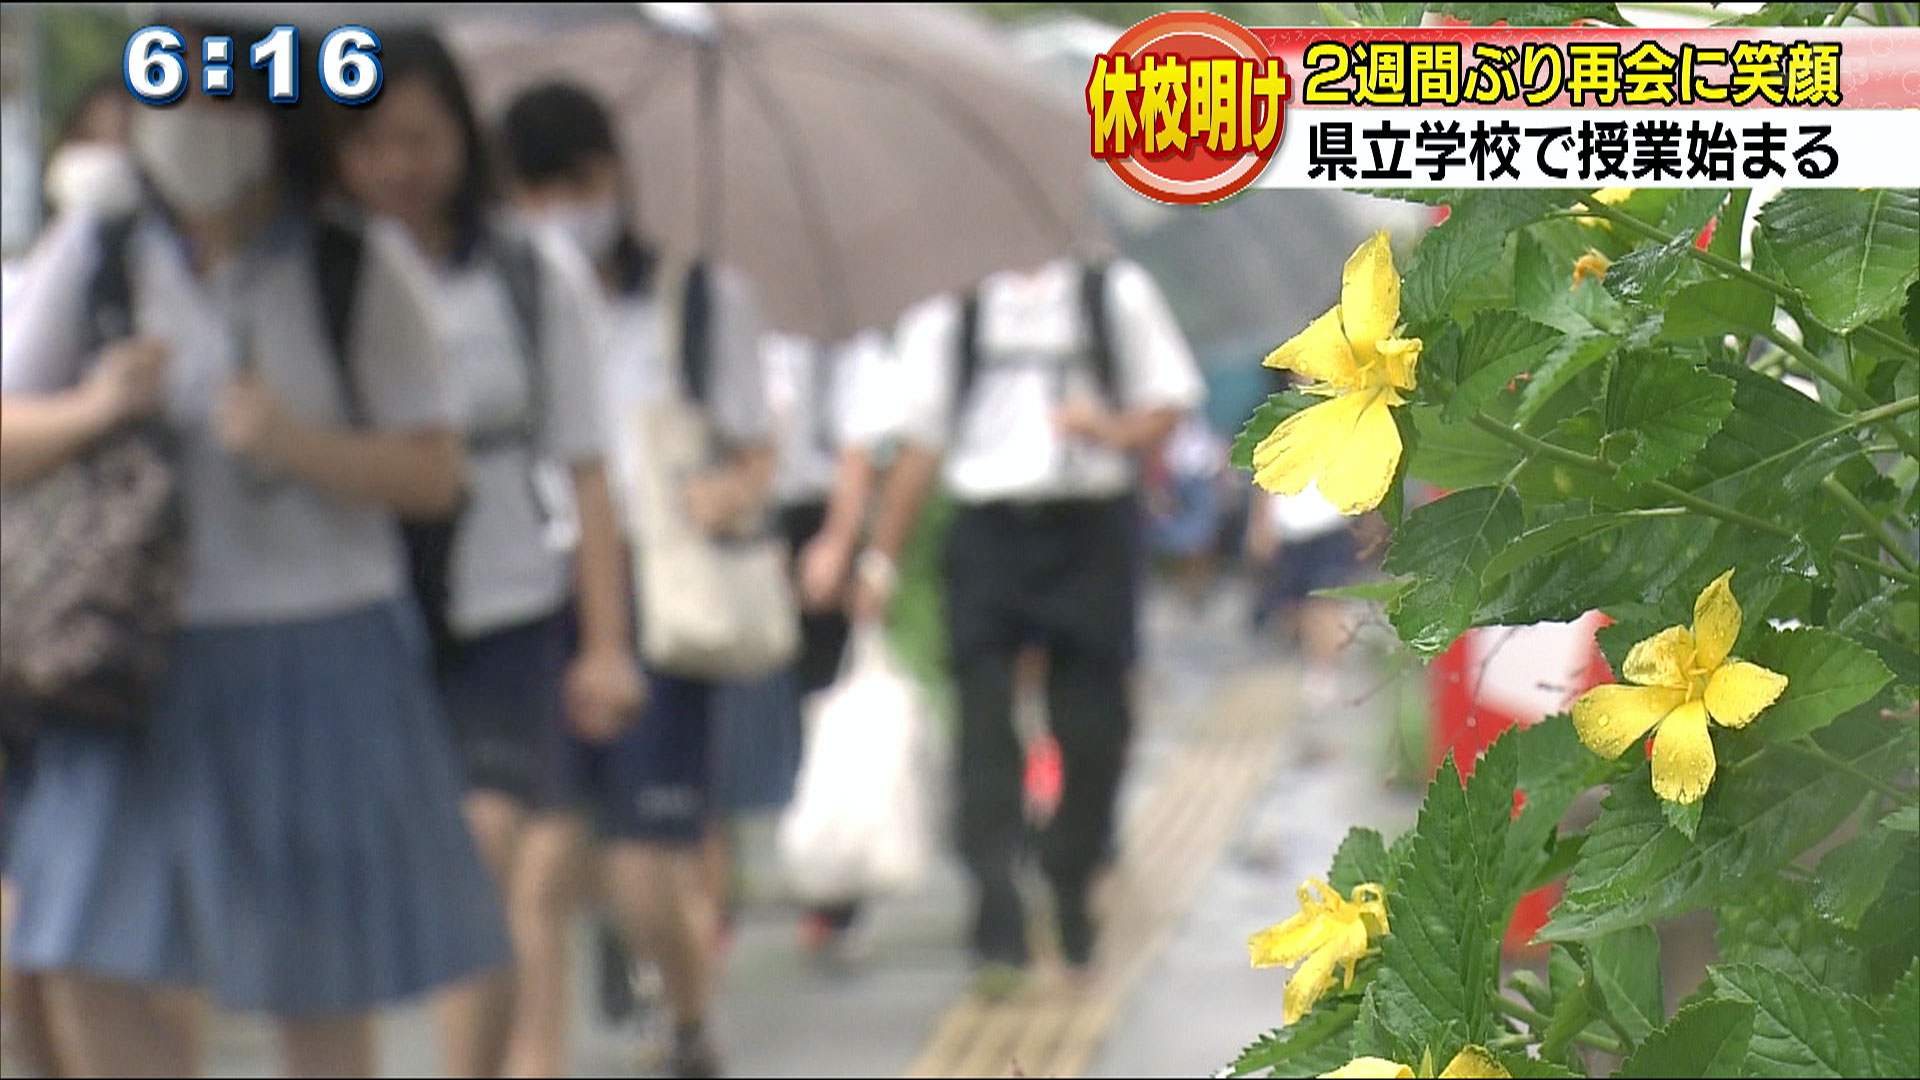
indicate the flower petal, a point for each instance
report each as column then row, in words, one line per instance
column 1474, row 1063
column 1311, row 979
column 1716, row 622
column 1737, row 691
column 1320, row 352
column 1661, row 660
column 1287, row 943
column 1361, row 469
column 1369, row 295
column 1304, row 444
column 1613, row 717
column 1370, row 1068
column 1683, row 755
column 1399, row 356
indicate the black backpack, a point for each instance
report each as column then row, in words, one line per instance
column 338, row 249
column 1093, row 306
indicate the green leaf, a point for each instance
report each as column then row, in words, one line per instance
column 1498, row 346
column 1553, row 770
column 1798, row 1030
column 1549, row 538
column 1854, row 875
column 1634, row 869
column 1447, row 910
column 1573, row 356
column 1447, row 543
column 1890, row 932
column 1849, row 252
column 1375, row 14
column 1904, row 820
column 1372, row 592
column 1362, row 858
column 1670, row 408
column 1648, row 276
column 1533, row 14
column 1265, row 418
column 1456, row 456
column 1626, row 973
column 1684, row 817
column 1910, row 314
column 1707, row 1038
column 1896, row 1045
column 1773, row 924
column 1457, row 254
column 1688, row 210
column 1827, row 675
column 1718, row 307
column 1321, row 1042
column 1522, row 1067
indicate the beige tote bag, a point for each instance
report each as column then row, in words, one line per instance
column 714, row 608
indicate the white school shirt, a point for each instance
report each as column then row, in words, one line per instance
column 635, row 373
column 512, row 555
column 1033, row 357
column 820, row 401
column 258, row 550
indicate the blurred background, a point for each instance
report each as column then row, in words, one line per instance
column 1270, row 720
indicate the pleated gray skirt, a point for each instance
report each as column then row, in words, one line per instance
column 286, row 833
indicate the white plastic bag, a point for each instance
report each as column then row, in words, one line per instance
column 861, row 822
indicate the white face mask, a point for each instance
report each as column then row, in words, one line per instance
column 203, row 160
column 100, row 177
column 594, row 227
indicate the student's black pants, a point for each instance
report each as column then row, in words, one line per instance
column 1059, row 575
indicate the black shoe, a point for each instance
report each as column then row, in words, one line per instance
column 1000, row 925
column 693, row 1056
column 617, row 1000
column 1076, row 927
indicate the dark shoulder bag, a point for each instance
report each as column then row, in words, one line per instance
column 92, row 556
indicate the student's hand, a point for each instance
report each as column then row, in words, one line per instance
column 1084, row 418
column 824, row 563
column 251, row 419
column 604, row 692
column 129, row 380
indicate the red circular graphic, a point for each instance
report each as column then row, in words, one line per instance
column 1196, row 175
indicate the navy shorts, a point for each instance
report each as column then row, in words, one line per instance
column 503, row 695
column 655, row 782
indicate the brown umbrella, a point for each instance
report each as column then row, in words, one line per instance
column 852, row 159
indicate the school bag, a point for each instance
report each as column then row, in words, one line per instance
column 429, row 543
column 93, row 555
column 716, row 608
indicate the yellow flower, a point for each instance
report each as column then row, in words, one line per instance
column 1471, row 1063
column 1348, row 445
column 1684, row 676
column 1328, row 931
column 1591, row 264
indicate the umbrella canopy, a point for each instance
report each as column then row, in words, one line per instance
column 852, row 159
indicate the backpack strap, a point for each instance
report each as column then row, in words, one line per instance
column 519, row 266
column 338, row 251
column 1093, row 304
column 109, row 311
column 968, row 344
column 696, row 331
